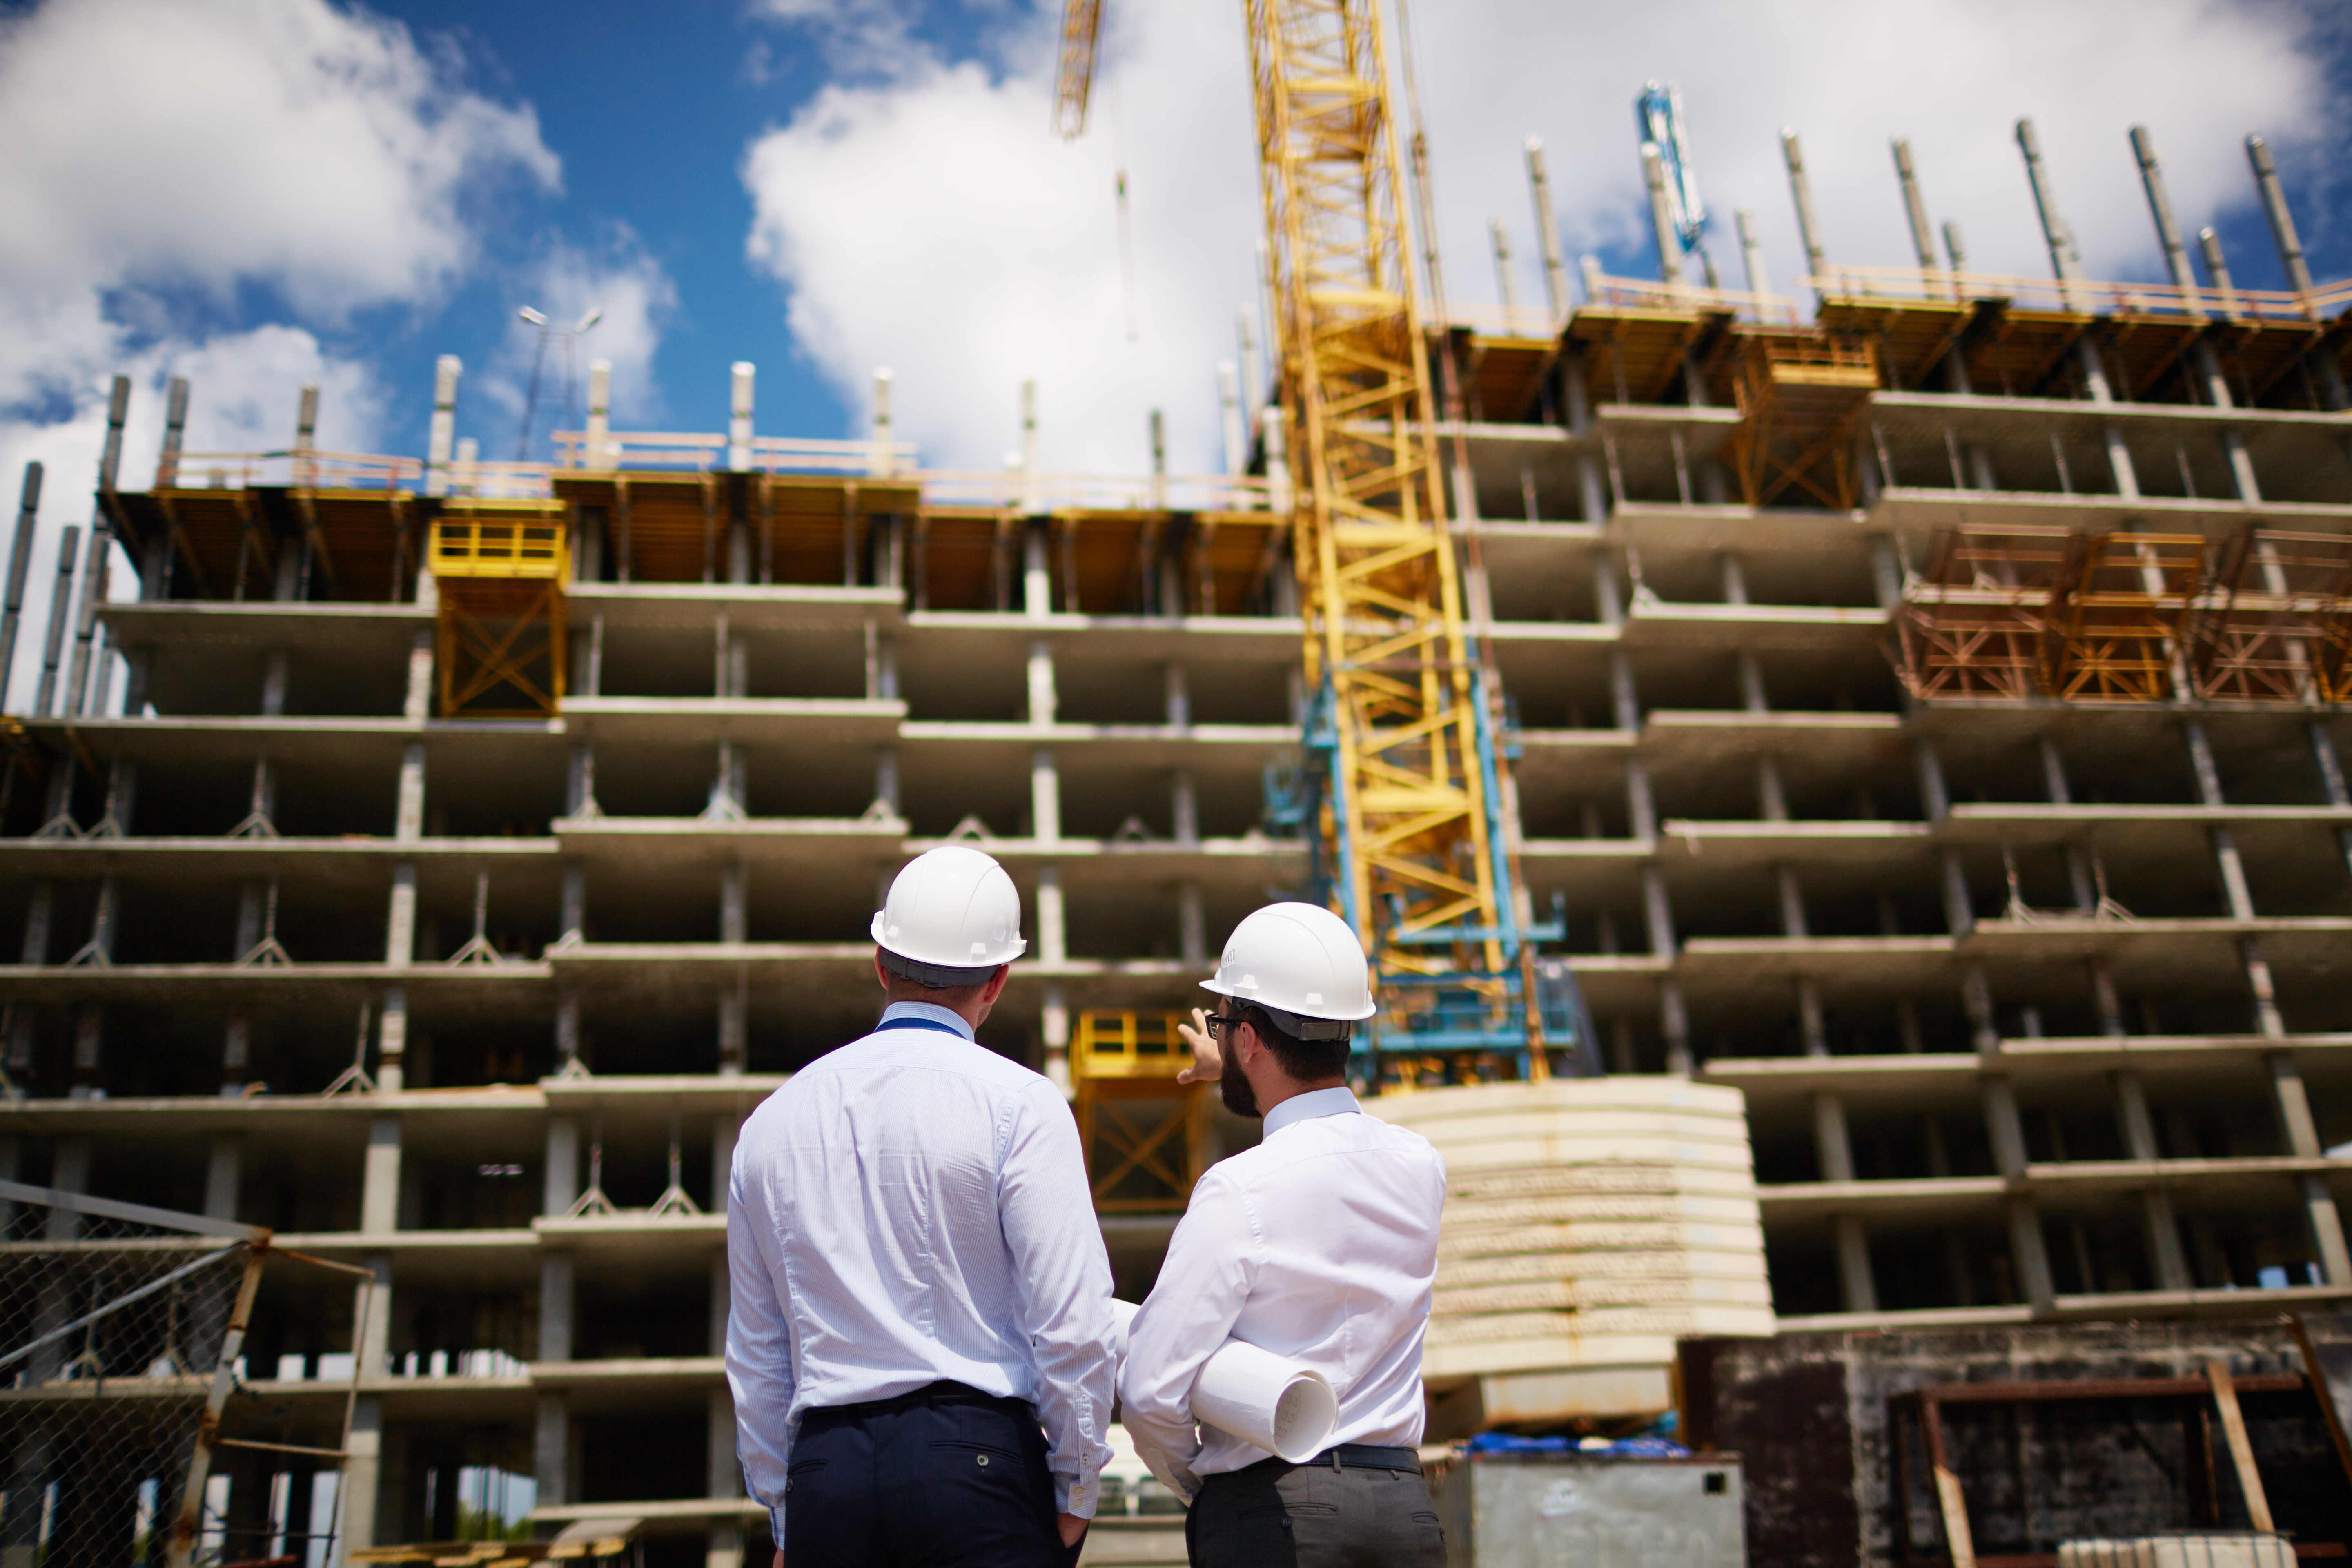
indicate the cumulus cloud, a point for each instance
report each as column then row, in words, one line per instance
column 929, row 222
column 168, row 164
column 934, row 225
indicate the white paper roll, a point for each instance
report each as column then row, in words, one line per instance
column 1256, row 1396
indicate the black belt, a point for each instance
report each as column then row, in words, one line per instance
column 1352, row 1456
column 944, row 1391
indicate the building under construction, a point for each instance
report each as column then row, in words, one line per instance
column 1925, row 711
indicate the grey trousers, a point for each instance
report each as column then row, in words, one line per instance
column 1273, row 1515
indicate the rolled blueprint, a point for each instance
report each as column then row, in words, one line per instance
column 1256, row 1396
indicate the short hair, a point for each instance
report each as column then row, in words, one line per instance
column 1306, row 1061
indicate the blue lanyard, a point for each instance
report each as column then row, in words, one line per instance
column 912, row 1023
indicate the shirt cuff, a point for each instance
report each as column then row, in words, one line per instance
column 1079, row 1497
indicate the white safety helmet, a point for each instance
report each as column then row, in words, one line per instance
column 951, row 917
column 1302, row 965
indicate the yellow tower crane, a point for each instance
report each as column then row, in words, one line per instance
column 1403, row 719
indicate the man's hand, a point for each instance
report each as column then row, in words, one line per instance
column 1208, row 1060
column 1072, row 1528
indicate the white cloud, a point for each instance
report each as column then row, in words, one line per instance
column 929, row 222
column 634, row 298
column 936, row 225
column 162, row 159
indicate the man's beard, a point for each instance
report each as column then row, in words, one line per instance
column 1235, row 1091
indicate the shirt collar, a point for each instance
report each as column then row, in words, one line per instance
column 930, row 1012
column 1334, row 1101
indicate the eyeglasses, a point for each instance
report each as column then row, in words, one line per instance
column 1217, row 1021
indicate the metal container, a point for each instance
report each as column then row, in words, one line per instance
column 1591, row 1510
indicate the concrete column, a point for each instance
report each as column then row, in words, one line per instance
column 734, row 1026
column 1674, row 1023
column 1833, row 1146
column 725, row 1128
column 2331, row 779
column 1044, row 796
column 1959, row 910
column 1935, row 799
column 1975, row 1000
column 571, row 914
column 400, row 917
column 1856, row 1285
column 236, row 1056
column 2267, row 1017
column 224, row 1175
column 442, row 436
column 275, row 669
column 1180, row 697
column 2027, row 1249
column 734, row 881
column 90, row 1033
column 20, row 566
column 725, row 1549
column 1811, row 1025
column 739, row 411
column 1184, row 810
column 418, row 705
column 886, row 780
column 1191, row 928
column 556, row 1297
column 1809, row 229
column 725, row 1478
column 392, row 1041
column 551, row 1440
column 1791, row 895
column 1052, row 931
column 362, row 1472
column 567, row 1032
column 1044, row 701
column 1054, row 1025
column 1657, row 912
column 380, row 1178
column 1771, row 799
column 560, row 1183
column 408, row 809
column 1624, row 702
column 1547, row 232
column 1662, row 222
column 2159, row 1222
column 53, row 640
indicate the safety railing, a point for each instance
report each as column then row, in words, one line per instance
column 466, row 547
column 706, row 451
column 295, row 468
column 1129, row 1045
column 2082, row 294
column 1605, row 292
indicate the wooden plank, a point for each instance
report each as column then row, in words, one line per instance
column 2331, row 1379
column 2241, row 1451
column 1950, row 1497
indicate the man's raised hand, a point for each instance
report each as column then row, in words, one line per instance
column 1208, row 1060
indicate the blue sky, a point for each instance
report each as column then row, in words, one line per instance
column 260, row 193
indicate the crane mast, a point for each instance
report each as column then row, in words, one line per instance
column 1401, row 731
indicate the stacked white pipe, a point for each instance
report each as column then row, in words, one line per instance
column 1589, row 1224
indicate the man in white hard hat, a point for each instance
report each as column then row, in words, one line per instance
column 918, row 1280
column 1319, row 1244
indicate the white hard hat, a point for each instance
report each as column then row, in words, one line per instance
column 1301, row 964
column 952, row 916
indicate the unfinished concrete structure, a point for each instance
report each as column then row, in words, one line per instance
column 1927, row 708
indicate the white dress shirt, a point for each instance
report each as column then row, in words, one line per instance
column 1319, row 1244
column 911, row 1207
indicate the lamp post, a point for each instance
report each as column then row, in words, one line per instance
column 570, row 336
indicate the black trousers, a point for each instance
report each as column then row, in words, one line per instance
column 946, row 1477
column 1370, row 1511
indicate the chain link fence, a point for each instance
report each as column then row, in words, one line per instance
column 119, row 1332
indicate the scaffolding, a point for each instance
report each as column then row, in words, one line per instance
column 1976, row 623
column 1146, row 1136
column 499, row 568
column 2274, row 623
